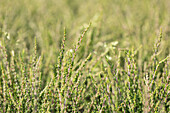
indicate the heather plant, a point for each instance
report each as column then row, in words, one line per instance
column 115, row 63
column 95, row 84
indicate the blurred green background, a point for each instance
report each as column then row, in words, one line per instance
column 133, row 23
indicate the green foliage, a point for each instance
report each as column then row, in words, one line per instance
column 78, row 87
column 115, row 66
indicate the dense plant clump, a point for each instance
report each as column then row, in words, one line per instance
column 52, row 60
column 93, row 84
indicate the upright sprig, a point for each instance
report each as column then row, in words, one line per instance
column 76, row 49
column 61, row 55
